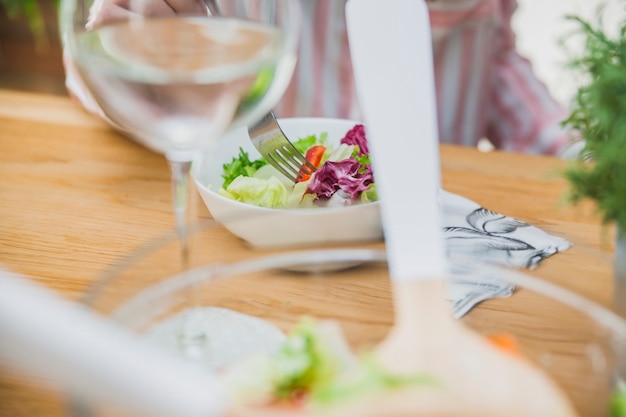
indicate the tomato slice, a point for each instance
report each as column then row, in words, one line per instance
column 314, row 156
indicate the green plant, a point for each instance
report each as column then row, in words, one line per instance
column 600, row 116
column 30, row 9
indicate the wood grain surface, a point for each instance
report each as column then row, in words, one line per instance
column 75, row 197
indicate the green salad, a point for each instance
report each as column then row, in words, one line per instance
column 344, row 175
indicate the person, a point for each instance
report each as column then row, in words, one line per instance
column 485, row 88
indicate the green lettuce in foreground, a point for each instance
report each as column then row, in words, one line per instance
column 618, row 401
column 368, row 378
column 314, row 365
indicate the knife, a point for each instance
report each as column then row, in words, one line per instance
column 391, row 50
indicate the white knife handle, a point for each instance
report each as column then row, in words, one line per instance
column 47, row 336
column 392, row 56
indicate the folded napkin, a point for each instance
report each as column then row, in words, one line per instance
column 472, row 231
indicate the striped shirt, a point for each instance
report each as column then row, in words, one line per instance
column 485, row 89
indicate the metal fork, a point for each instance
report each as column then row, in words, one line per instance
column 271, row 142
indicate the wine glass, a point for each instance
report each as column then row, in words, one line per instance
column 177, row 74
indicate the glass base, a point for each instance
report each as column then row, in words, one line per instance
column 216, row 337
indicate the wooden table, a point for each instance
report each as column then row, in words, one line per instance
column 75, row 196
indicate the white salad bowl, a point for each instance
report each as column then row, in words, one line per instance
column 267, row 227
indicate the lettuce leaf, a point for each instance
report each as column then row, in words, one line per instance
column 266, row 179
column 314, row 355
column 315, row 363
column 368, row 378
column 270, row 193
column 618, row 401
column 303, row 144
column 240, row 165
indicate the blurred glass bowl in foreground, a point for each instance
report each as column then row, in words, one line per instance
column 266, row 227
column 218, row 313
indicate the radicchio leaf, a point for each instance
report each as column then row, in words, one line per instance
column 342, row 175
column 356, row 136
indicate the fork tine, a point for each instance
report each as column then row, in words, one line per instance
column 293, row 154
column 275, row 147
column 275, row 160
column 290, row 162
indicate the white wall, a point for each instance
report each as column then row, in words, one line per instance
column 541, row 24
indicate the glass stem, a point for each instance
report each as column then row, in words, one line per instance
column 181, row 195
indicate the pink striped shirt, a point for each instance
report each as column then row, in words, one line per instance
column 485, row 89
